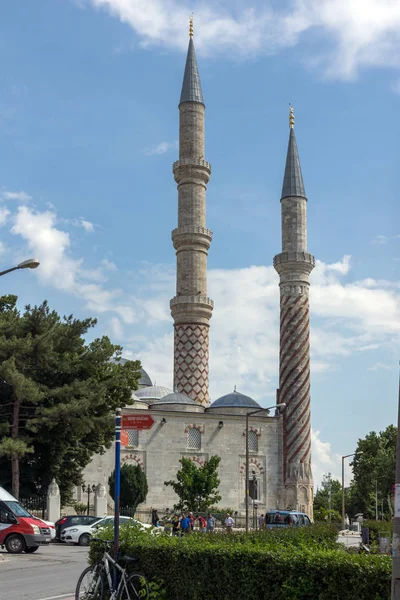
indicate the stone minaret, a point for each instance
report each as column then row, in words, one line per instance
column 294, row 265
column 191, row 308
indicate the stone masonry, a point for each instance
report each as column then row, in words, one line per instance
column 191, row 308
column 294, row 265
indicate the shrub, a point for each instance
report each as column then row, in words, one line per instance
column 284, row 564
column 378, row 529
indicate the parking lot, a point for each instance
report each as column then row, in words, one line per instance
column 49, row 574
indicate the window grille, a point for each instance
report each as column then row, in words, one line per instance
column 194, row 439
column 253, row 441
column 133, row 437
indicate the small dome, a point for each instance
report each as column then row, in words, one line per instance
column 153, row 392
column 176, row 398
column 145, row 379
column 235, row 400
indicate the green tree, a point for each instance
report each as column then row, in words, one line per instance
column 374, row 467
column 134, row 486
column 196, row 486
column 57, row 396
column 321, row 498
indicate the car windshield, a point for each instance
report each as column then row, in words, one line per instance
column 17, row 509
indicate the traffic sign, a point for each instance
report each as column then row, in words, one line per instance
column 137, row 421
column 124, row 438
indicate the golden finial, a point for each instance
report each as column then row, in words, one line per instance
column 291, row 117
column 191, row 26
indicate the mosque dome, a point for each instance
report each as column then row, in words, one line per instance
column 177, row 401
column 144, row 380
column 152, row 393
column 233, row 402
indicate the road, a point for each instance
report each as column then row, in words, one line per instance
column 49, row 574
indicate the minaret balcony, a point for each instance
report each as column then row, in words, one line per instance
column 191, row 236
column 197, row 299
column 294, row 261
column 191, row 168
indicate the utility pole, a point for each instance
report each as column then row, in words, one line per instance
column 396, row 528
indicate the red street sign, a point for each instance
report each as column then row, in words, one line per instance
column 137, row 421
column 124, row 437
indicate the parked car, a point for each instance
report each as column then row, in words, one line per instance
column 286, row 518
column 70, row 520
column 19, row 530
column 81, row 534
column 52, row 528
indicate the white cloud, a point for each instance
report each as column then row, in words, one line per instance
column 4, row 214
column 380, row 239
column 350, row 34
column 87, row 226
column 325, row 461
column 161, row 148
column 109, row 265
column 18, row 196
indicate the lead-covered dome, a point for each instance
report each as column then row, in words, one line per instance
column 235, row 401
column 152, row 393
column 177, row 401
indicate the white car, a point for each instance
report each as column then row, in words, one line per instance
column 52, row 528
column 81, row 534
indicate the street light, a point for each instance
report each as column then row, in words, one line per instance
column 343, row 508
column 249, row 414
column 31, row 263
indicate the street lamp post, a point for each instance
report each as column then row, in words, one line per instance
column 343, row 507
column 88, row 489
column 249, row 414
column 31, row 263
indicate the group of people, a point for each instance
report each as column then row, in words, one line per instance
column 185, row 524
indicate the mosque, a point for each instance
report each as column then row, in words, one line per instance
column 186, row 423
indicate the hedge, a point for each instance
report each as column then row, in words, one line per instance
column 378, row 529
column 290, row 564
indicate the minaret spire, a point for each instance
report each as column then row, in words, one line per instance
column 191, row 308
column 294, row 265
column 191, row 86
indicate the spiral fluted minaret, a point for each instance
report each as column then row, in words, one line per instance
column 294, row 265
column 191, row 308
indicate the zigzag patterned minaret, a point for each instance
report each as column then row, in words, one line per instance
column 294, row 266
column 191, row 308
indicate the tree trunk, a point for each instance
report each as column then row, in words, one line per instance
column 15, row 456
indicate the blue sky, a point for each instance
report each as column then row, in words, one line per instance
column 88, row 132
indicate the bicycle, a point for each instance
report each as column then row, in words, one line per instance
column 130, row 587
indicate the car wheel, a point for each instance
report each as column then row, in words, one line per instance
column 31, row 549
column 15, row 544
column 84, row 540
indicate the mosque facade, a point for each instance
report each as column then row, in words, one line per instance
column 186, row 423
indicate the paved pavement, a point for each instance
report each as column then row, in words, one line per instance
column 49, row 574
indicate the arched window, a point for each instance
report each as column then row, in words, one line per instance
column 253, row 441
column 194, row 439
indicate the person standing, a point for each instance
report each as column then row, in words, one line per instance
column 175, row 525
column 202, row 524
column 229, row 523
column 185, row 524
column 261, row 522
column 192, row 520
column 210, row 523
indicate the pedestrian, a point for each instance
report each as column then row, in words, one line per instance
column 229, row 523
column 176, row 525
column 185, row 524
column 202, row 524
column 192, row 520
column 261, row 522
column 210, row 523
column 155, row 521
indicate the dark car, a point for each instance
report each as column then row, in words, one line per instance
column 70, row 520
column 286, row 518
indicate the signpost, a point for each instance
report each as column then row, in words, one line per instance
column 137, row 421
column 122, row 423
column 124, row 437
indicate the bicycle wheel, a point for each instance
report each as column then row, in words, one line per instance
column 90, row 584
column 135, row 588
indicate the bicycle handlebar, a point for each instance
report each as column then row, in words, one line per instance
column 106, row 542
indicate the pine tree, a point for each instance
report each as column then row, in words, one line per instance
column 57, row 396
